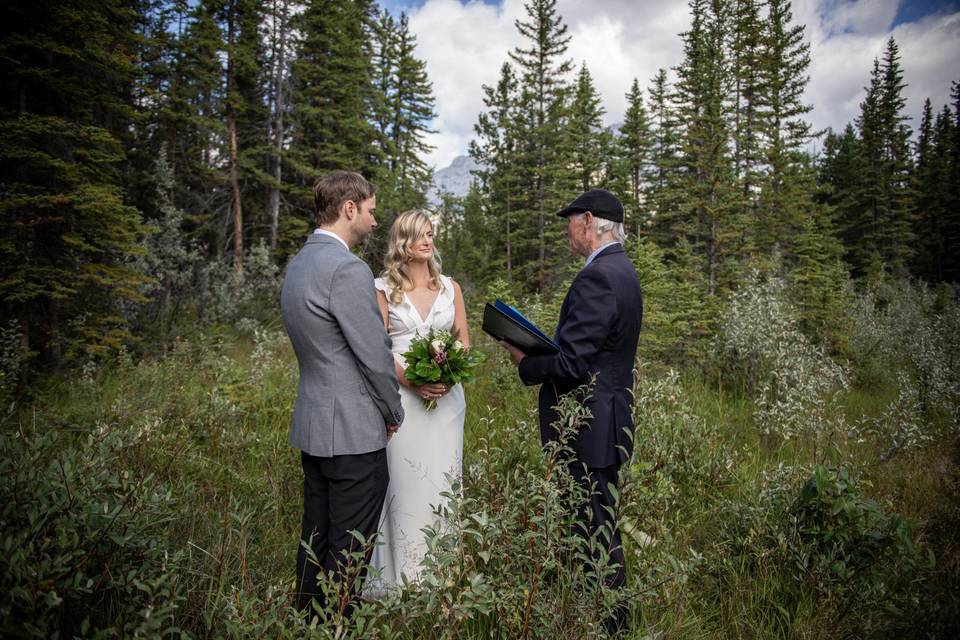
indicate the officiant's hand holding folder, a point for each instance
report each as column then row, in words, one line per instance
column 503, row 322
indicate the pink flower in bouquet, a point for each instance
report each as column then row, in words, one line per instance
column 440, row 357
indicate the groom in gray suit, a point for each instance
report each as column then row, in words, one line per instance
column 348, row 400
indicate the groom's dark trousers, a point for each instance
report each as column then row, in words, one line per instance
column 340, row 494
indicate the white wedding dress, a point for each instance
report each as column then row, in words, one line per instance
column 427, row 448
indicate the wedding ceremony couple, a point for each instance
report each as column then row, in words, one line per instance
column 375, row 460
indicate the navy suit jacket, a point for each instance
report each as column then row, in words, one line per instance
column 597, row 333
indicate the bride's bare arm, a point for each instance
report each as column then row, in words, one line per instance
column 460, row 315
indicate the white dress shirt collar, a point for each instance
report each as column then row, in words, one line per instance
column 324, row 232
column 598, row 250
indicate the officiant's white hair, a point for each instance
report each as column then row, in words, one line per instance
column 409, row 227
column 609, row 226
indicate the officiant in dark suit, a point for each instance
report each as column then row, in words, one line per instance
column 597, row 333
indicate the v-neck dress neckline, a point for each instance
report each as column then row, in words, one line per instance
column 424, row 319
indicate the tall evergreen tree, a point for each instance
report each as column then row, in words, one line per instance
column 786, row 199
column 331, row 102
column 66, row 233
column 747, row 56
column 193, row 123
column 928, row 213
column 660, row 193
column 543, row 88
column 411, row 112
column 634, row 148
column 279, row 46
column 402, row 111
column 707, row 212
column 839, row 176
column 584, row 131
column 496, row 152
column 880, row 227
column 950, row 145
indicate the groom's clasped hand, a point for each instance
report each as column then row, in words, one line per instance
column 384, row 359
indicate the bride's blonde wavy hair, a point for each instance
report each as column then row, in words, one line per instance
column 409, row 227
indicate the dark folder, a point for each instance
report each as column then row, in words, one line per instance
column 503, row 322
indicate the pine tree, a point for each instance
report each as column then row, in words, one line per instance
column 660, row 193
column 583, row 131
column 66, row 234
column 496, row 151
column 839, row 178
column 819, row 278
column 707, row 210
column 543, row 90
column 634, row 148
column 412, row 110
column 747, row 52
column 332, row 97
column 880, row 227
column 280, row 14
column 928, row 214
column 949, row 144
column 194, row 120
column 402, row 110
column 786, row 197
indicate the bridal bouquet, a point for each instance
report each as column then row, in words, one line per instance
column 439, row 357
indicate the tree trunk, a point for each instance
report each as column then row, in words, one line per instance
column 235, row 207
column 275, row 128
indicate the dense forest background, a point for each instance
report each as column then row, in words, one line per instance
column 801, row 325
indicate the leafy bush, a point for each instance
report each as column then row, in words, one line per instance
column 80, row 535
column 503, row 561
column 822, row 549
column 903, row 324
column 794, row 382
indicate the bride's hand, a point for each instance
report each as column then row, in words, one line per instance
column 431, row 391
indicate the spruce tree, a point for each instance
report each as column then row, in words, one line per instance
column 949, row 143
column 412, row 111
column 331, row 102
column 634, row 148
column 543, row 90
column 747, row 53
column 67, row 234
column 402, row 110
column 495, row 149
column 880, row 228
column 584, row 132
column 707, row 211
column 929, row 205
column 660, row 194
column 279, row 48
column 788, row 184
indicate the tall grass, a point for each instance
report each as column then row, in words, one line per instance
column 728, row 524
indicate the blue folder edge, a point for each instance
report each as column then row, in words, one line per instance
column 522, row 319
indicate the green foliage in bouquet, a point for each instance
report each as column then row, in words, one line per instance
column 439, row 356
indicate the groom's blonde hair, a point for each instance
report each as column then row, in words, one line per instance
column 409, row 227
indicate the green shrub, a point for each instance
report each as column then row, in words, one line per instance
column 822, row 551
column 80, row 538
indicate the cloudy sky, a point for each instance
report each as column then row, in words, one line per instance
column 465, row 43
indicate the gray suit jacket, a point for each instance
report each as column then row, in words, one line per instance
column 348, row 387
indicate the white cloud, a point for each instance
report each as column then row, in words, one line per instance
column 464, row 46
column 861, row 16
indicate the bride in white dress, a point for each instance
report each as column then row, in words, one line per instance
column 415, row 297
